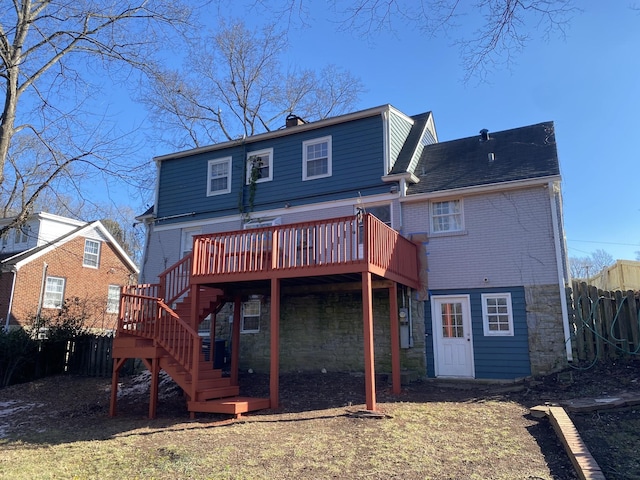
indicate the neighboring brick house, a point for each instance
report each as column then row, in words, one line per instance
column 53, row 260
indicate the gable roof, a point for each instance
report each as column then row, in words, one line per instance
column 410, row 147
column 19, row 259
column 518, row 154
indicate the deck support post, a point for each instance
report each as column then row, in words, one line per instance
column 395, row 339
column 195, row 304
column 235, row 339
column 117, row 365
column 274, row 375
column 153, row 395
column 367, row 320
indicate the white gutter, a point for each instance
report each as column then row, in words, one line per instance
column 474, row 189
column 560, row 269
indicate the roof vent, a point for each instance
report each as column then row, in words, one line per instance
column 491, row 156
column 294, row 120
column 484, row 135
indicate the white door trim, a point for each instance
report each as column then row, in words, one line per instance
column 468, row 370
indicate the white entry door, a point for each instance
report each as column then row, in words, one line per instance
column 453, row 345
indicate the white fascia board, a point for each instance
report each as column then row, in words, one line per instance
column 281, row 211
column 61, row 241
column 491, row 187
column 285, row 131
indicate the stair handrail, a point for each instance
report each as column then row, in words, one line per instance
column 176, row 280
column 185, row 349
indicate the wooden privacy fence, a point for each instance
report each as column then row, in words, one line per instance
column 90, row 355
column 605, row 324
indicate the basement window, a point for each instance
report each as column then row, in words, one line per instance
column 497, row 314
column 250, row 317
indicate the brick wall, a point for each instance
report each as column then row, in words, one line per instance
column 325, row 331
column 84, row 286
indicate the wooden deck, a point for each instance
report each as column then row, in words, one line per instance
column 159, row 322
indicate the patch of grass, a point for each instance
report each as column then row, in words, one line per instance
column 416, row 440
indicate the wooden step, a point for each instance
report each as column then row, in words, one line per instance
column 231, row 406
column 218, row 392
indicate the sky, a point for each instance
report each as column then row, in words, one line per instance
column 587, row 83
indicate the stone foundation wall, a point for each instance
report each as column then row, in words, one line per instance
column 547, row 350
column 325, row 331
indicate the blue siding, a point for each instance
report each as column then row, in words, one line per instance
column 494, row 357
column 357, row 146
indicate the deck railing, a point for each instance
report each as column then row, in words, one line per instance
column 175, row 280
column 328, row 243
column 150, row 317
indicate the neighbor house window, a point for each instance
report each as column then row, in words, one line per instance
column 91, row 253
column 446, row 216
column 113, row 299
column 250, row 317
column 316, row 158
column 53, row 292
column 219, row 177
column 261, row 163
column 496, row 314
column 21, row 236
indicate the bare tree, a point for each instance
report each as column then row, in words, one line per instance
column 234, row 85
column 587, row 267
column 502, row 27
column 52, row 55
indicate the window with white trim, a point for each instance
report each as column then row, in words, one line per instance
column 21, row 236
column 219, row 176
column 260, row 162
column 91, row 256
column 497, row 316
column 250, row 322
column 446, row 216
column 113, row 299
column 316, row 158
column 186, row 246
column 53, row 292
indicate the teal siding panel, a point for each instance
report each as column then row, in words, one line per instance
column 494, row 357
column 357, row 168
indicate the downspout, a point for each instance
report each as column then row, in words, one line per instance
column 560, row 269
column 410, row 319
column 13, row 288
column 44, row 279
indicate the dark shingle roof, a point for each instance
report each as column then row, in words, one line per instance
column 519, row 154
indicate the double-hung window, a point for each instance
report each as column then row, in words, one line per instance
column 53, row 292
column 113, row 299
column 219, row 176
column 446, row 216
column 91, row 253
column 250, row 317
column 316, row 158
column 260, row 166
column 497, row 314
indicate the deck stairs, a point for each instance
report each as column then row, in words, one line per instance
column 171, row 339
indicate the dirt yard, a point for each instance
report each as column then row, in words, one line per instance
column 58, row 428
